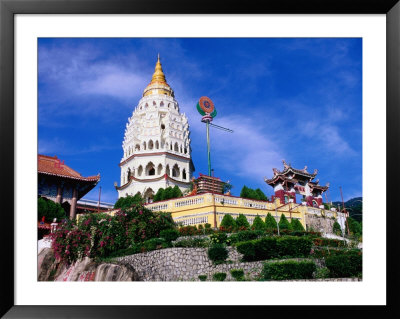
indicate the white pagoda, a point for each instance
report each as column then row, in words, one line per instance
column 156, row 144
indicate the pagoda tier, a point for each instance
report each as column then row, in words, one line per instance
column 291, row 181
column 208, row 184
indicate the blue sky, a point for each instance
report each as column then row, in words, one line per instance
column 293, row 99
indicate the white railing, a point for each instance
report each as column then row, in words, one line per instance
column 193, row 220
column 159, row 207
column 190, row 201
column 252, row 204
column 225, row 200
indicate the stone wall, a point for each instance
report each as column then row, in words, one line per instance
column 186, row 264
column 321, row 224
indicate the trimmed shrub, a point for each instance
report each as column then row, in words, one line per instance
column 345, row 265
column 219, row 276
column 290, row 246
column 192, row 242
column 154, row 243
column 287, row 270
column 322, row 273
column 219, row 238
column 266, row 248
column 336, row 229
column 296, row 225
column 217, row 253
column 228, row 222
column 188, row 230
column 248, row 250
column 245, row 236
column 238, row 274
column 321, row 241
column 203, row 277
column 284, row 223
column 270, row 222
column 258, row 224
column 242, row 223
column 323, row 252
column 169, row 234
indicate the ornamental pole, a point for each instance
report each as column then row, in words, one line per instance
column 208, row 147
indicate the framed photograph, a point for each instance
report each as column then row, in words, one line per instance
column 351, row 136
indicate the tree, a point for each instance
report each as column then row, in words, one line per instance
column 159, row 195
column 168, row 193
column 244, row 193
column 354, row 226
column 270, row 222
column 296, row 225
column 241, row 221
column 261, row 195
column 336, row 229
column 50, row 210
column 258, row 224
column 228, row 221
column 176, row 192
column 128, row 201
column 284, row 223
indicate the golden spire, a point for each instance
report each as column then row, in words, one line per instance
column 158, row 75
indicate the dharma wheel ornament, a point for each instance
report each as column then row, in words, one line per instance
column 207, row 109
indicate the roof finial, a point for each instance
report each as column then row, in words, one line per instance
column 158, row 56
column 158, row 75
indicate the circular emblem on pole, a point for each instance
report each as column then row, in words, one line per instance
column 206, row 104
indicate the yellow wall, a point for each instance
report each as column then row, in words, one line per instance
column 201, row 209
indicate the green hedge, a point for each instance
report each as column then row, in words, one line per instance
column 287, row 270
column 245, row 236
column 323, row 252
column 320, row 241
column 169, row 234
column 192, row 242
column 345, row 265
column 273, row 247
column 217, row 253
column 219, row 276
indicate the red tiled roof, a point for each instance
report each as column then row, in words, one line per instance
column 51, row 165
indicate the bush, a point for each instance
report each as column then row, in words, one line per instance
column 203, row 277
column 323, row 252
column 270, row 222
column 169, row 234
column 345, row 265
column 321, row 241
column 219, row 276
column 336, row 229
column 238, row 274
column 242, row 223
column 220, row 238
column 245, row 236
column 217, row 253
column 354, row 226
column 272, row 247
column 322, row 273
column 50, row 210
column 128, row 201
column 99, row 235
column 188, row 230
column 192, row 242
column 154, row 243
column 294, row 247
column 228, row 222
column 284, row 223
column 287, row 270
column 296, row 225
column 258, row 224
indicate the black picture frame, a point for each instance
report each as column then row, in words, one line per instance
column 8, row 10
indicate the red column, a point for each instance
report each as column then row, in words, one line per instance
column 72, row 211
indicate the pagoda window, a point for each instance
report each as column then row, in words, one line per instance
column 176, row 148
column 286, row 199
column 154, row 103
column 167, row 170
column 129, row 174
column 140, row 170
column 181, row 149
column 144, row 145
column 150, row 170
column 170, row 147
column 184, row 174
column 314, row 203
column 146, row 105
column 159, row 169
column 157, row 145
column 169, row 104
column 151, row 145
column 175, row 171
column 185, row 150
column 137, row 147
column 162, row 126
column 161, row 104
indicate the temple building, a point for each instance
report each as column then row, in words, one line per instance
column 156, row 145
column 291, row 181
column 61, row 184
